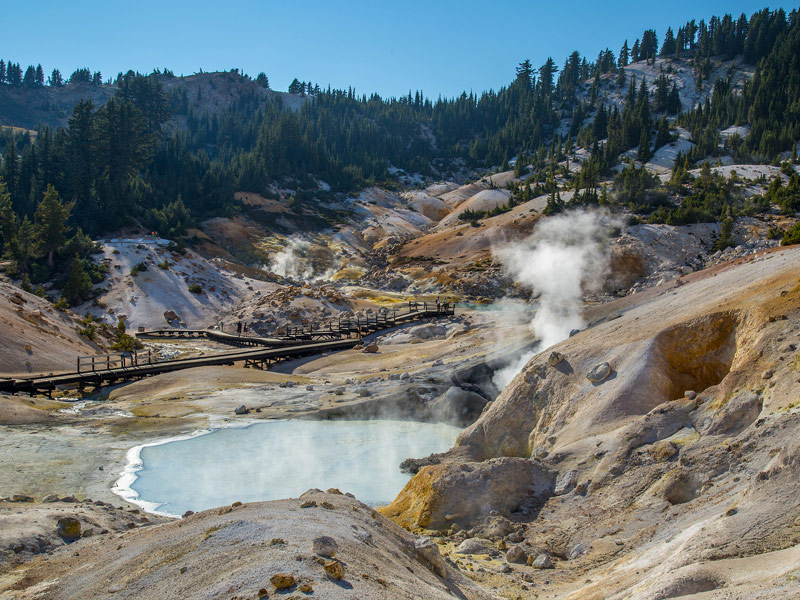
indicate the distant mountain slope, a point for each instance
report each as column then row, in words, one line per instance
column 200, row 93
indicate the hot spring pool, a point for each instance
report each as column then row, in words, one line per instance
column 278, row 459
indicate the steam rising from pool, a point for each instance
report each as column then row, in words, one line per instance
column 278, row 459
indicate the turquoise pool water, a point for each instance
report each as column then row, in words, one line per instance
column 278, row 459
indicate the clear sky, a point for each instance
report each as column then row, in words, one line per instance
column 439, row 46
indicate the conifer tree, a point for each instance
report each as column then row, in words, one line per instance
column 51, row 223
column 79, row 284
column 624, row 55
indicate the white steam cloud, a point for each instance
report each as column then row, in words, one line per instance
column 564, row 257
column 297, row 261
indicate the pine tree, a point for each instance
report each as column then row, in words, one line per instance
column 624, row 55
column 29, row 80
column 51, row 223
column 39, row 76
column 663, row 136
column 8, row 219
column 79, row 284
column 546, row 73
column 2, row 71
column 56, row 80
column 668, row 47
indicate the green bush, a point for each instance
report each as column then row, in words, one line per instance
column 196, row 288
column 138, row 268
column 792, row 236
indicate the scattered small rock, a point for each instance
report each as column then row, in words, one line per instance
column 306, row 588
column 21, row 498
column 325, row 546
column 51, row 498
column 690, row 394
column 576, row 551
column 241, row 410
column 188, row 513
column 555, row 358
column 282, row 581
column 565, row 482
column 370, row 349
column 308, row 504
column 767, row 374
column 542, row 562
column 516, row 555
column 334, row 569
column 599, row 372
column 68, row 528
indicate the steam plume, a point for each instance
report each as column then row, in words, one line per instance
column 298, row 261
column 564, row 257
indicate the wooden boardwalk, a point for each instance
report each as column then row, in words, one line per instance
column 343, row 328
column 261, row 353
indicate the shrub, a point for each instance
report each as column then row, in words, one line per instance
column 196, row 288
column 127, row 343
column 89, row 332
column 792, row 236
column 138, row 268
column 61, row 304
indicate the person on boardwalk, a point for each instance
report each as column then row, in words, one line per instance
column 239, row 328
column 438, row 304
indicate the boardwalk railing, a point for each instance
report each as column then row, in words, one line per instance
column 119, row 360
column 109, row 369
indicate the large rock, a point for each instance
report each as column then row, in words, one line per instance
column 68, row 528
column 325, row 545
column 516, row 555
column 428, row 552
column 473, row 546
column 448, row 493
column 734, row 416
column 565, row 482
column 599, row 372
column 457, row 407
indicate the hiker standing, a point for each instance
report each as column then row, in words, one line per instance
column 438, row 304
column 239, row 328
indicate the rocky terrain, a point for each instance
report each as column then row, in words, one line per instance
column 650, row 456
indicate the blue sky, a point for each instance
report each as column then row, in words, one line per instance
column 439, row 46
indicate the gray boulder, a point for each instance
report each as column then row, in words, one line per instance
column 599, row 372
column 516, row 555
column 542, row 562
column 473, row 546
column 428, row 553
column 325, row 546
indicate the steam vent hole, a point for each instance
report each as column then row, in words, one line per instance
column 698, row 353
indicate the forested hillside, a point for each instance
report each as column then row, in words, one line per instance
column 149, row 151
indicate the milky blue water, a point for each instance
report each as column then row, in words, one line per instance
column 280, row 459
